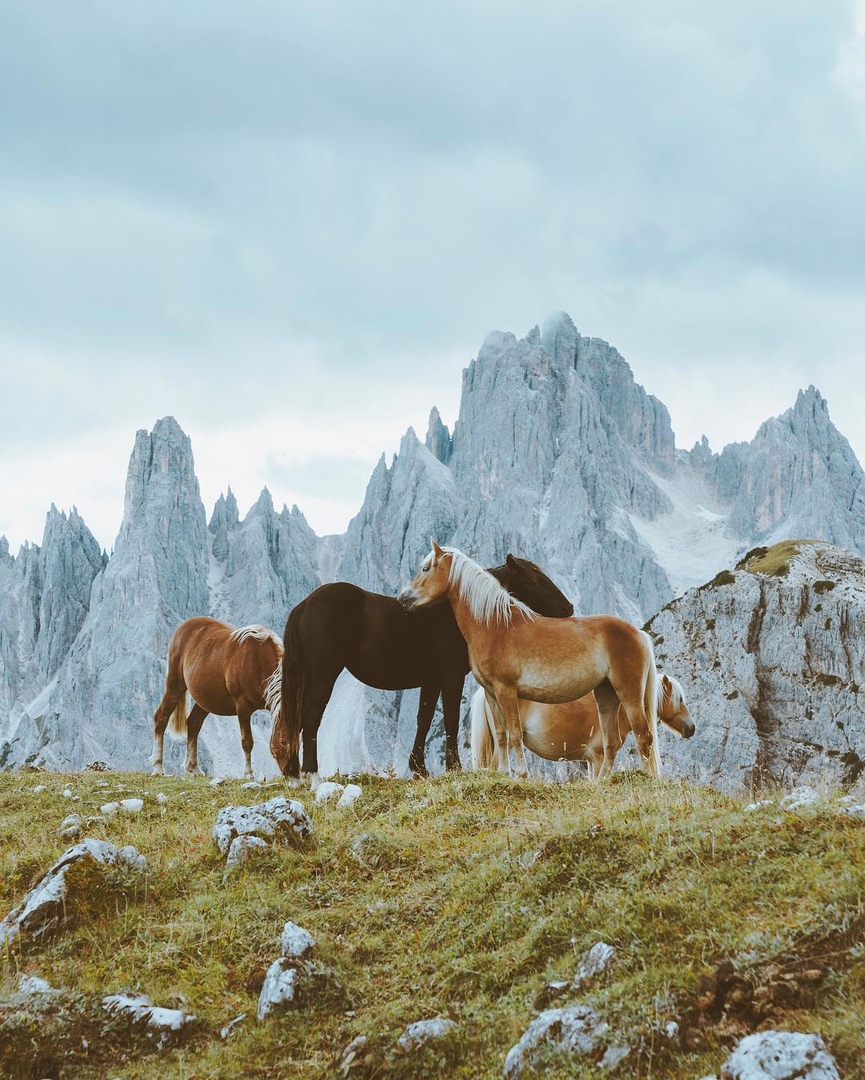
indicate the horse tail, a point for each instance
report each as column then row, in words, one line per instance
column 285, row 737
column 652, row 699
column 177, row 720
column 483, row 740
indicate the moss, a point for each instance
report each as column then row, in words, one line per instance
column 725, row 577
column 774, row 560
column 823, row 586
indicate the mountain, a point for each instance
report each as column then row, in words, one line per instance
column 557, row 455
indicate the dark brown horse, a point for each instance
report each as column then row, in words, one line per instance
column 341, row 626
column 225, row 671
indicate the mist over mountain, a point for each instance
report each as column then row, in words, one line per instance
column 557, row 455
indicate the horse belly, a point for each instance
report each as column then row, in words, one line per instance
column 556, row 687
column 559, row 732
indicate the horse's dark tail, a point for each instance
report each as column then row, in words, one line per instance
column 285, row 737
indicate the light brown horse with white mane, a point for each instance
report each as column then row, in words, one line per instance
column 515, row 654
column 226, row 672
column 572, row 731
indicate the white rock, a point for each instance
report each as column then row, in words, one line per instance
column 109, row 808
column 350, row 794
column 575, row 1030
column 279, row 988
column 161, row 798
column 140, row 1007
column 242, row 849
column 295, row 942
column 33, row 984
column 131, row 805
column 780, row 1055
column 67, row 793
column 799, row 797
column 327, row 791
column 421, row 1032
column 594, row 962
column 38, row 789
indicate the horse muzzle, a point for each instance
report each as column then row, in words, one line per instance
column 408, row 598
column 688, row 729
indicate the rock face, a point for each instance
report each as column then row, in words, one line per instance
column 557, row 455
column 770, row 659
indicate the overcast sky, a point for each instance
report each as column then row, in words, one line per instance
column 291, row 224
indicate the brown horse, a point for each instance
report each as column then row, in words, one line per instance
column 515, row 654
column 571, row 731
column 227, row 672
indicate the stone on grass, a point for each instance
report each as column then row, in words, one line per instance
column 350, row 794
column 328, row 790
column 295, row 942
column 576, row 1030
column 799, row 797
column 780, row 1055
column 279, row 988
column 139, row 1009
column 242, row 849
column 594, row 962
column 422, row 1032
column 279, row 821
column 44, row 908
column 70, row 827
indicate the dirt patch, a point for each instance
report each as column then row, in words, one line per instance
column 738, row 998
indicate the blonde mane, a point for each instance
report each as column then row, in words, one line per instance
column 258, row 633
column 488, row 601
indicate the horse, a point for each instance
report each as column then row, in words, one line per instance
column 342, row 626
column 225, row 671
column 571, row 731
column 515, row 653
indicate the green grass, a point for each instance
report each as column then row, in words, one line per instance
column 464, row 897
column 774, row 560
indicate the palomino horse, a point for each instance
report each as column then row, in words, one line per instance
column 571, row 731
column 341, row 626
column 515, row 654
column 226, row 672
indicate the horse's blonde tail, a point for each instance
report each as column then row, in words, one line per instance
column 273, row 690
column 652, row 700
column 483, row 740
column 177, row 720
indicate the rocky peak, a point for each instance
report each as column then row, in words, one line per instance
column 438, row 438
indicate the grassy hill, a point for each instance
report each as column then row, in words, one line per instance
column 459, row 896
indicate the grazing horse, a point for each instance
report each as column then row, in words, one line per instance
column 342, row 626
column 514, row 653
column 227, row 672
column 571, row 731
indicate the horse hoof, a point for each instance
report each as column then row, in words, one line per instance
column 452, row 764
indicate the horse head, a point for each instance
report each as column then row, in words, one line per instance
column 674, row 710
column 527, row 582
column 430, row 584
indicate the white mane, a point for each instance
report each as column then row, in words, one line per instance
column 488, row 601
column 677, row 696
column 258, row 633
column 273, row 690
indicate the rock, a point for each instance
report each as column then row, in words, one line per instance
column 354, row 1050
column 279, row 989
column 228, row 1029
column 70, row 827
column 594, row 962
column 780, row 1055
column 279, row 821
column 577, row 1030
column 295, row 942
column 421, row 1032
column 139, row 1009
column 328, row 791
column 242, row 849
column 44, row 909
column 351, row 793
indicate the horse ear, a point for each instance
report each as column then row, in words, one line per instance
column 665, row 681
column 510, row 561
column 436, row 549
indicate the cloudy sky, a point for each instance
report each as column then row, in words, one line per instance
column 290, row 224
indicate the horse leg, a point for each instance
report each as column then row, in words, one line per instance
column 175, row 688
column 193, row 728
column 508, row 705
column 451, row 696
column 244, row 719
column 642, row 733
column 499, row 733
column 314, row 704
column 608, row 709
column 426, row 708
